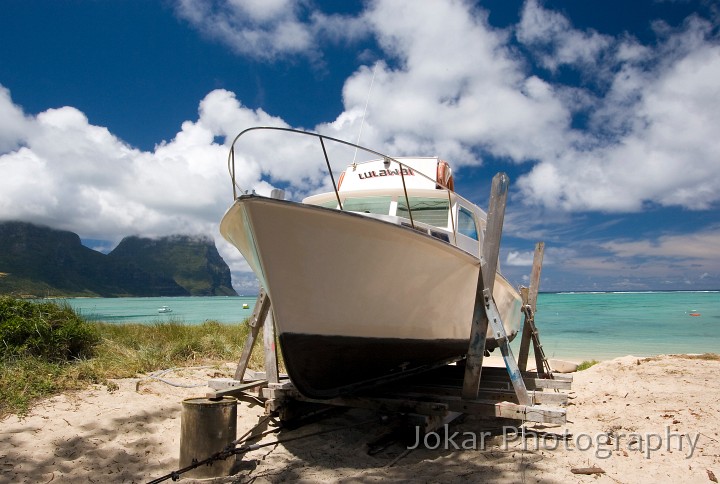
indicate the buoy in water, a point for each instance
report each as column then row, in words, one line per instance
column 694, row 314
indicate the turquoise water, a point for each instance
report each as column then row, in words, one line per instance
column 188, row 310
column 578, row 326
column 607, row 325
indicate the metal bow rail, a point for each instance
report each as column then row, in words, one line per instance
column 322, row 139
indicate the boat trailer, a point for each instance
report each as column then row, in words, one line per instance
column 438, row 396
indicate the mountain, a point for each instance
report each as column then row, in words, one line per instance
column 192, row 262
column 42, row 261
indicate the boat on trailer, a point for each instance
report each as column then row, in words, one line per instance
column 374, row 280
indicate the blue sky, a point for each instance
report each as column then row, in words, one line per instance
column 114, row 118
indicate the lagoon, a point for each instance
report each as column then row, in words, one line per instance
column 576, row 326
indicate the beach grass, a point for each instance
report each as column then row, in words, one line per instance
column 31, row 372
column 587, row 364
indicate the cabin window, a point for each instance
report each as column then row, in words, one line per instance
column 379, row 205
column 432, row 211
column 330, row 204
column 466, row 223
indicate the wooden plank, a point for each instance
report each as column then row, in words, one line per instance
column 536, row 413
column 486, row 280
column 476, row 348
column 444, row 406
column 547, row 383
column 271, row 366
column 262, row 305
column 535, row 275
column 497, row 395
column 524, row 344
column 531, row 384
column 493, row 229
column 499, row 373
column 398, row 405
column 225, row 383
column 261, row 375
column 236, row 391
column 530, row 299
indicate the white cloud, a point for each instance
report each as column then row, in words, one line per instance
column 65, row 172
column 699, row 246
column 550, row 36
column 13, row 123
column 268, row 29
column 448, row 84
column 456, row 88
column 650, row 136
column 262, row 29
column 516, row 258
column 450, row 87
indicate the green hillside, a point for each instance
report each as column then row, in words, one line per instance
column 192, row 262
column 42, row 261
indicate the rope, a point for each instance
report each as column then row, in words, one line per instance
column 232, row 448
column 157, row 376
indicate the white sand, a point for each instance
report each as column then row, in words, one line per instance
column 132, row 435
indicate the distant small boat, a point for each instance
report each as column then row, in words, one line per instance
column 164, row 309
column 246, row 306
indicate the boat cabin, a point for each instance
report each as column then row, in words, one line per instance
column 383, row 189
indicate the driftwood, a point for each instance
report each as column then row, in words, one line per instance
column 711, row 476
column 587, row 470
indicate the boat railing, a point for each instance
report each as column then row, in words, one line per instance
column 322, row 138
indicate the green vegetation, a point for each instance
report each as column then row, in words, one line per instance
column 53, row 332
column 42, row 261
column 46, row 349
column 192, row 262
column 587, row 364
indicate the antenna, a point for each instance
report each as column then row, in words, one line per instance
column 362, row 122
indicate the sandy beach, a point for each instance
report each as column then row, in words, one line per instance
column 638, row 419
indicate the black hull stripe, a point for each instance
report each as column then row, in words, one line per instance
column 330, row 366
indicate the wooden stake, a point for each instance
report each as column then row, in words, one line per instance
column 271, row 367
column 530, row 299
column 486, row 280
column 535, row 275
column 262, row 306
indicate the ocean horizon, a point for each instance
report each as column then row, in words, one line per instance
column 573, row 325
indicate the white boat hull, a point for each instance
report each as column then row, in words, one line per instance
column 355, row 299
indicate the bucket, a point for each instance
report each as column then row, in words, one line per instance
column 207, row 426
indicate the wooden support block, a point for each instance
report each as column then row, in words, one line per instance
column 261, row 375
column 283, row 385
column 538, row 383
column 535, row 413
